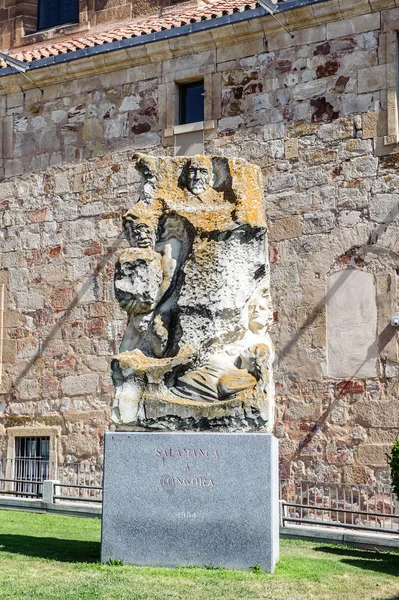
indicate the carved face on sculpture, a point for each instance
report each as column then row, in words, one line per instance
column 139, row 230
column 259, row 315
column 199, row 175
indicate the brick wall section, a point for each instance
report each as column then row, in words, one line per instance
column 310, row 115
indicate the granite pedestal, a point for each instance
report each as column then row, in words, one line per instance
column 179, row 499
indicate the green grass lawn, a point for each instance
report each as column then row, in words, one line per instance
column 57, row 558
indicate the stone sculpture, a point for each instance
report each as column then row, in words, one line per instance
column 196, row 353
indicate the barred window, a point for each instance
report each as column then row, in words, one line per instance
column 31, row 462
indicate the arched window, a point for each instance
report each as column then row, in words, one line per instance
column 57, row 12
column 352, row 347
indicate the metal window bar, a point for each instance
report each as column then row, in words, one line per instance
column 31, row 463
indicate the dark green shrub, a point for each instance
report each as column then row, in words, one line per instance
column 393, row 461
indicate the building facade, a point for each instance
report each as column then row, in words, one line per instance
column 315, row 108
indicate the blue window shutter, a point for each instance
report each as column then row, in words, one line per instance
column 191, row 102
column 69, row 11
column 48, row 13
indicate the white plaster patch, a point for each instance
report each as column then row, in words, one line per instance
column 352, row 349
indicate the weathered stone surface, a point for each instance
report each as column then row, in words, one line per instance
column 287, row 228
column 338, row 130
column 77, row 386
column 374, row 124
column 281, row 182
column 291, row 148
column 196, row 353
column 373, row 78
column 348, row 218
column 378, row 414
column 373, row 454
column 319, row 222
column 384, row 208
column 360, row 167
column 273, row 131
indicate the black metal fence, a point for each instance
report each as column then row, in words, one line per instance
column 77, row 481
column 349, row 505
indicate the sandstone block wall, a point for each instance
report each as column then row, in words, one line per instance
column 313, row 114
column 16, row 20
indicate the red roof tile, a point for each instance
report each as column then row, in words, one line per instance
column 169, row 18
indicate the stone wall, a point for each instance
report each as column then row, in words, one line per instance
column 312, row 112
column 111, row 11
column 16, row 20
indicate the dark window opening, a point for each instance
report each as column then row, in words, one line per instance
column 31, row 463
column 191, row 102
column 57, row 12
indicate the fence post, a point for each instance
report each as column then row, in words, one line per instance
column 9, row 474
column 282, row 512
column 48, row 490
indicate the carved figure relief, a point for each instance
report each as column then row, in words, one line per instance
column 196, row 353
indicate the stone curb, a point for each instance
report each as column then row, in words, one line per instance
column 369, row 540
column 65, row 508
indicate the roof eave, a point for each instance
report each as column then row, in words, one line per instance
column 158, row 36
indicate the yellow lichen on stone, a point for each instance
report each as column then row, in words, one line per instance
column 247, row 182
column 235, row 382
column 149, row 216
column 153, row 367
column 209, row 211
column 133, row 254
column 197, row 340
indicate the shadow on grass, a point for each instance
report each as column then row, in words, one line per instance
column 383, row 562
column 52, row 548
